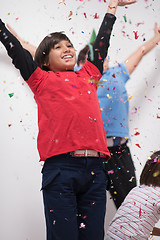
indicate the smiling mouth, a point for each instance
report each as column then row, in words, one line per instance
column 67, row 57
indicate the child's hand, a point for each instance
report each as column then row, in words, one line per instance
column 157, row 32
column 125, row 2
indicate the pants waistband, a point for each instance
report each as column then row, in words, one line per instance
column 115, row 141
column 66, row 160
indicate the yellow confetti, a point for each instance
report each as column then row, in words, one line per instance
column 128, row 99
column 155, row 174
column 130, row 180
column 108, row 96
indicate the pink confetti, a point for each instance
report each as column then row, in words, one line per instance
column 140, row 212
column 139, row 23
column 111, row 172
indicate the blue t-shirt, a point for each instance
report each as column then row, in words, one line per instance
column 113, row 99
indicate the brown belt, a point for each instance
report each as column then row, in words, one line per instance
column 87, row 153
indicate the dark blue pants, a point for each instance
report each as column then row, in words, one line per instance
column 74, row 194
column 122, row 173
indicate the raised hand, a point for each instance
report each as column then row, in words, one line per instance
column 31, row 48
column 157, row 32
column 126, row 2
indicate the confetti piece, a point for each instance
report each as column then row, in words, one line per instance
column 85, row 15
column 138, row 145
column 71, row 13
column 82, row 225
column 99, row 56
column 136, row 34
column 108, row 96
column 140, row 212
column 96, row 16
column 63, row 1
column 156, row 174
column 93, row 119
column 128, row 99
column 113, row 75
column 11, row 95
column 125, row 19
column 136, row 132
column 130, row 180
column 139, row 23
column 111, row 172
column 158, row 116
column 9, row 125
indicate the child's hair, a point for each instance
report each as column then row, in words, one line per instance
column 151, row 171
column 44, row 48
column 82, row 56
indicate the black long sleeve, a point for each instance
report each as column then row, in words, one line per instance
column 101, row 44
column 21, row 58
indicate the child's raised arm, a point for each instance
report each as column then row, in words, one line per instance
column 101, row 43
column 28, row 46
column 133, row 60
column 21, row 58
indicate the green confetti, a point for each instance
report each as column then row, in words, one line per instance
column 10, row 95
column 125, row 19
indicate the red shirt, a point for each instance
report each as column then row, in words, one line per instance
column 69, row 116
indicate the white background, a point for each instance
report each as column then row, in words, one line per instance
column 21, row 208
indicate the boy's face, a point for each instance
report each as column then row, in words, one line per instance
column 62, row 57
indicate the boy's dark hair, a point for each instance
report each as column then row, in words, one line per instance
column 44, row 48
column 82, row 55
column 151, row 172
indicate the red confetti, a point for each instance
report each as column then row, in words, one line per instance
column 99, row 56
column 85, row 15
column 96, row 16
column 100, row 44
column 136, row 34
column 9, row 125
column 158, row 116
column 113, row 75
column 136, row 132
column 138, row 145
